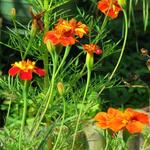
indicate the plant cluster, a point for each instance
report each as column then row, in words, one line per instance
column 54, row 111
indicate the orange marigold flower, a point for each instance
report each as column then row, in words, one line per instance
column 25, row 69
column 58, row 38
column 110, row 8
column 65, row 32
column 92, row 48
column 117, row 120
column 113, row 120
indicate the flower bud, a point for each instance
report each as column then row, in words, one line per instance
column 13, row 13
column 122, row 3
column 60, row 88
column 50, row 46
column 89, row 61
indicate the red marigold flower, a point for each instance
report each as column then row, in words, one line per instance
column 65, row 32
column 92, row 48
column 25, row 69
column 136, row 120
column 110, row 8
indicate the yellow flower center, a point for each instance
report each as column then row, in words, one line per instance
column 25, row 65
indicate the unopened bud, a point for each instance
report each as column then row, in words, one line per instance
column 89, row 61
column 13, row 12
column 122, row 3
column 60, row 87
column 50, row 46
column 34, row 27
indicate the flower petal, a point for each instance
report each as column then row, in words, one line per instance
column 25, row 75
column 117, row 123
column 135, row 127
column 52, row 36
column 39, row 71
column 102, row 120
column 66, row 41
column 13, row 71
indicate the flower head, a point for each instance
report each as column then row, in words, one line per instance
column 110, row 8
column 117, row 120
column 65, row 32
column 59, row 38
column 113, row 119
column 92, row 48
column 25, row 69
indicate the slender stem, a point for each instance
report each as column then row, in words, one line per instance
column 32, row 35
column 46, row 77
column 81, row 109
column 24, row 113
column 122, row 51
column 62, row 123
column 67, row 50
column 46, row 15
column 145, row 142
column 45, row 57
column 8, row 112
column 55, row 59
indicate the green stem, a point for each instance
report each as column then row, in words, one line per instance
column 67, row 50
column 46, row 15
column 145, row 142
column 45, row 57
column 8, row 112
column 46, row 77
column 24, row 113
column 32, row 36
column 62, row 123
column 81, row 109
column 122, row 51
column 55, row 59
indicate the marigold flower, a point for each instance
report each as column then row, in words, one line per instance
column 110, row 8
column 113, row 120
column 65, row 32
column 92, row 48
column 117, row 120
column 25, row 69
column 59, row 39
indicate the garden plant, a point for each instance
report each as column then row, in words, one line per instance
column 70, row 59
